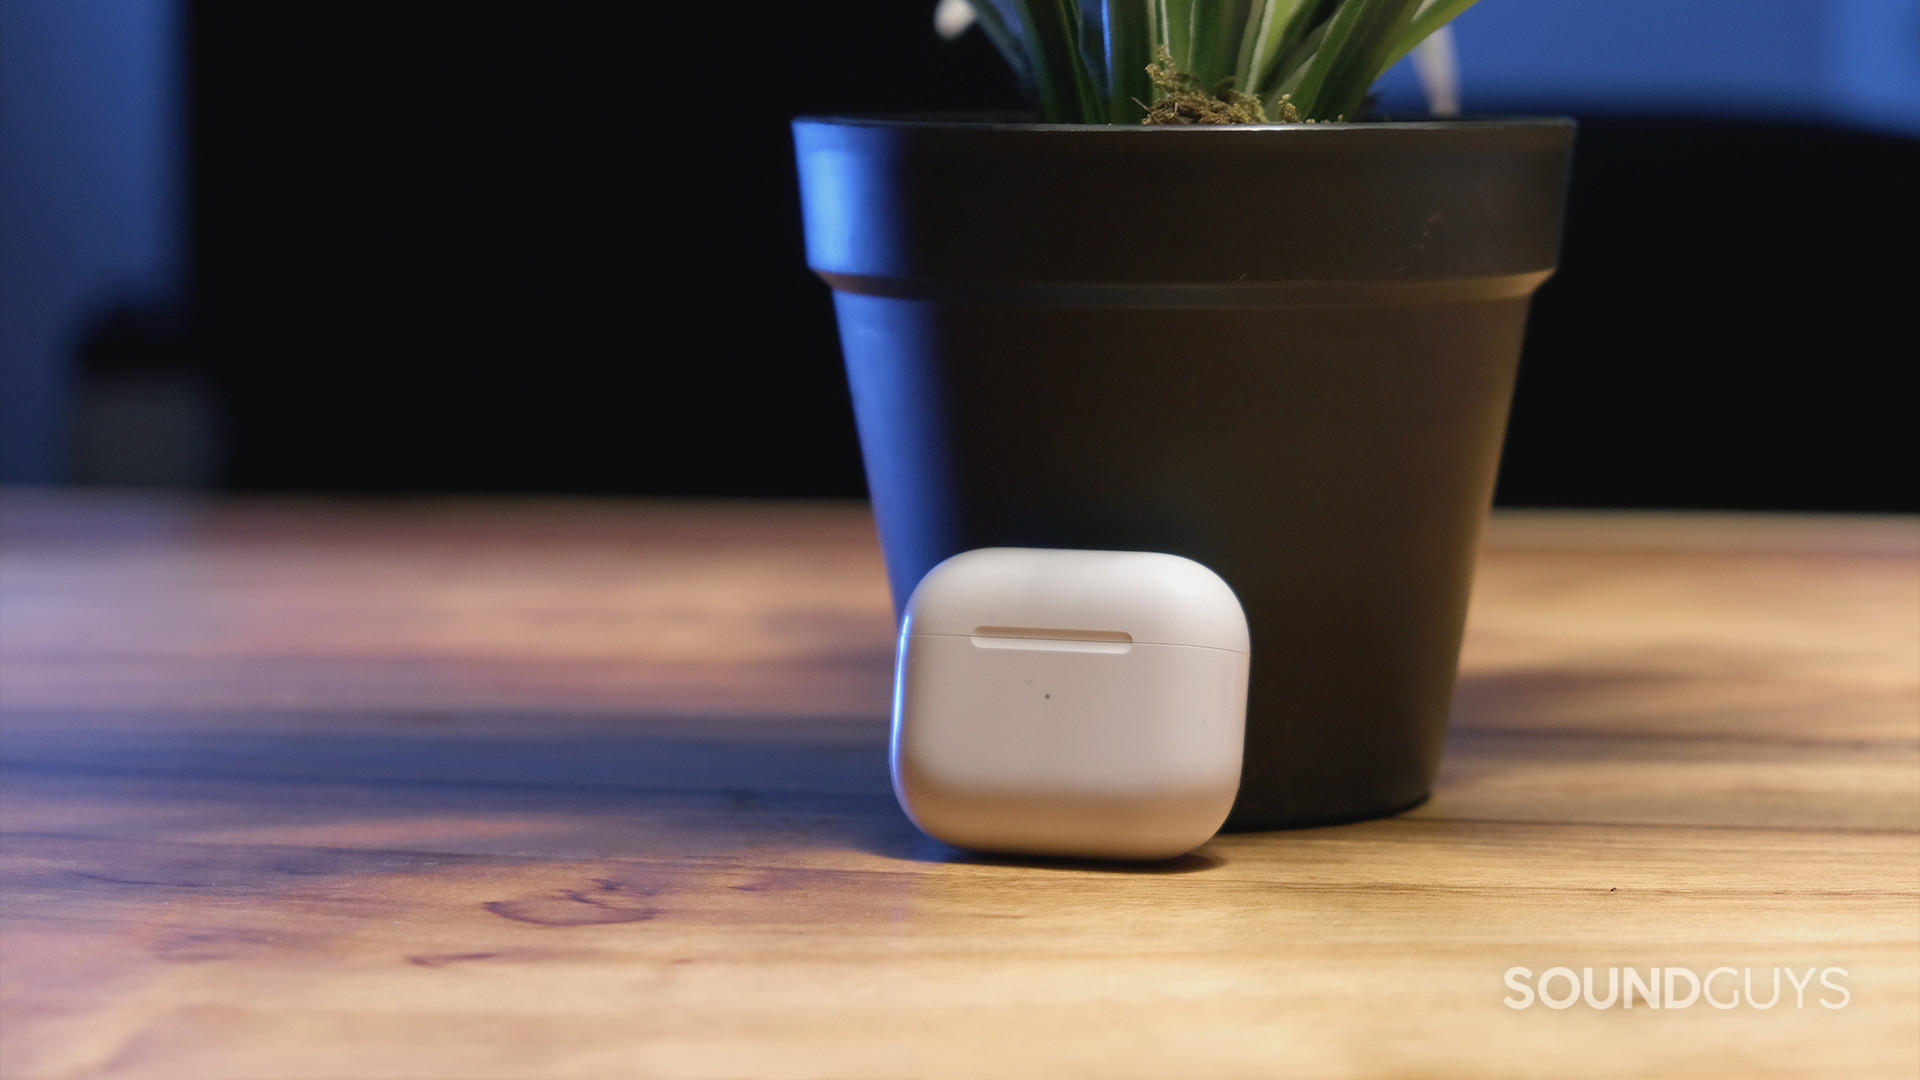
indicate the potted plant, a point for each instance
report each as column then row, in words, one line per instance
column 1284, row 350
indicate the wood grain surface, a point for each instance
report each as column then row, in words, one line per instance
column 319, row 789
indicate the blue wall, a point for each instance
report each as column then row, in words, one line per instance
column 1849, row 62
column 90, row 196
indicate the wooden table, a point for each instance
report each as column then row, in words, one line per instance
column 532, row 789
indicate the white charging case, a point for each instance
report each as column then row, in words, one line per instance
column 1080, row 703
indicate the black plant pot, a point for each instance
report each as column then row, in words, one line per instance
column 1285, row 352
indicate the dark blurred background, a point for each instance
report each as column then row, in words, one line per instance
column 520, row 247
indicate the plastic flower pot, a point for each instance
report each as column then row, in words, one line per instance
column 1286, row 352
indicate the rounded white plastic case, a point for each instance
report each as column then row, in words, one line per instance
column 1081, row 703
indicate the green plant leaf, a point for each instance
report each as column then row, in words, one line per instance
column 1091, row 36
column 1050, row 30
column 1432, row 16
column 1294, row 65
column 1174, row 29
column 1217, row 26
column 1116, row 39
column 1350, row 57
column 1086, row 60
column 1260, row 43
column 1298, row 37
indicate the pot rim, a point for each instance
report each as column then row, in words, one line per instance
column 1004, row 122
column 891, row 199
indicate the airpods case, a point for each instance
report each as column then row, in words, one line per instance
column 1083, row 703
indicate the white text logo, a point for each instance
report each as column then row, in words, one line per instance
column 1674, row 988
